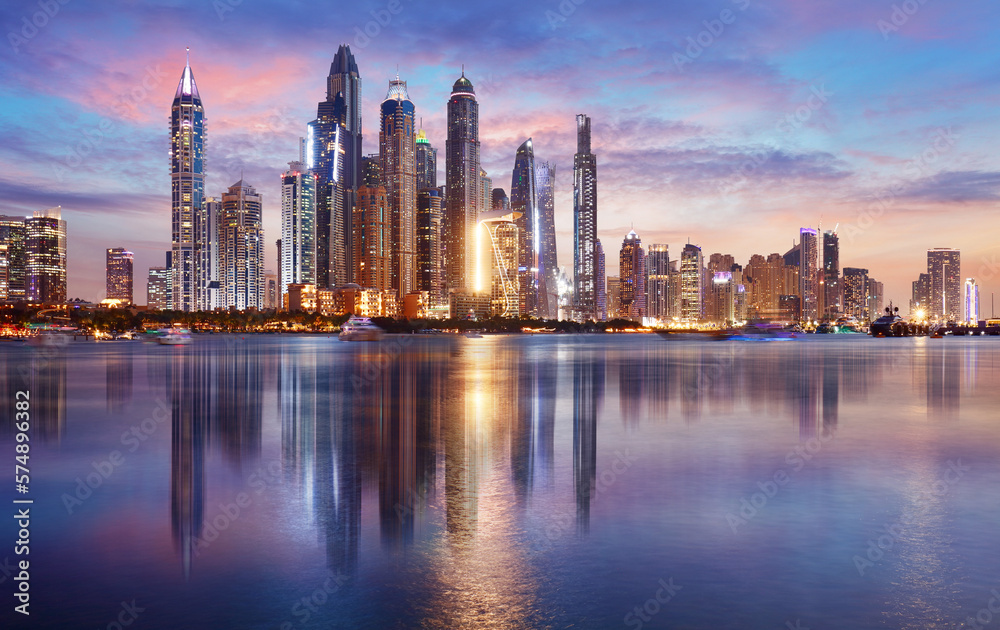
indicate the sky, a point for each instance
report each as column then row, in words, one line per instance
column 726, row 123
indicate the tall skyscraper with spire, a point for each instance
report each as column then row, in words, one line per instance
column 335, row 157
column 397, row 155
column 584, row 221
column 187, row 175
column 548, row 264
column 463, row 180
column 524, row 200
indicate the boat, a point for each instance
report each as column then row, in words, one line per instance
column 890, row 324
column 175, row 337
column 360, row 329
column 473, row 334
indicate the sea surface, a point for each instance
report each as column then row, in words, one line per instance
column 507, row 482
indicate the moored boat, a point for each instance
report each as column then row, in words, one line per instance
column 175, row 337
column 360, row 329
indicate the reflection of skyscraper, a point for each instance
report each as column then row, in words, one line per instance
column 588, row 388
column 462, row 174
column 238, row 419
column 190, row 391
column 118, row 380
column 397, row 153
column 584, row 221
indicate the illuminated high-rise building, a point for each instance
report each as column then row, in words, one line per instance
column 920, row 299
column 4, row 278
column 832, row 298
column 497, row 267
column 426, row 162
column 499, row 200
column 187, row 174
column 430, row 275
column 397, row 155
column 875, row 298
column 603, row 312
column 808, row 244
column 45, row 234
column 208, row 254
column 971, row 302
column 14, row 235
column 524, row 202
column 241, row 248
column 944, row 266
column 855, row 292
column 118, row 272
column 548, row 263
column 334, row 155
column 659, row 298
column 463, row 180
column 584, row 221
column 692, row 285
column 373, row 239
column 632, row 274
column 298, row 227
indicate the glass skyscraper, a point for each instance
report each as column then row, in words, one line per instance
column 548, row 263
column 692, row 285
column 659, row 298
column 397, row 155
column 298, row 226
column 45, row 237
column 426, row 162
column 524, row 202
column 241, row 248
column 118, row 271
column 832, row 298
column 807, row 272
column 187, row 172
column 944, row 266
column 632, row 275
column 584, row 222
column 463, row 179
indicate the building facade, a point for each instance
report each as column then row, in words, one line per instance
column 298, row 227
column 632, row 278
column 241, row 248
column 426, row 157
column 118, row 274
column 584, row 222
column 430, row 272
column 832, row 290
column 692, row 284
column 548, row 262
column 372, row 239
column 397, row 156
column 659, row 297
column 944, row 266
column 971, row 302
column 524, row 203
column 463, row 179
column 855, row 291
column 14, row 237
column 45, row 234
column 808, row 244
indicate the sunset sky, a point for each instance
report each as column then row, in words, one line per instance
column 729, row 122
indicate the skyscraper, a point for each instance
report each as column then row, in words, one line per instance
column 602, row 311
column 118, row 272
column 497, row 273
column 659, row 298
column 373, row 239
column 45, row 236
column 807, row 272
column 855, row 294
column 298, row 227
column 430, row 277
column 524, row 202
column 462, row 175
column 156, row 289
column 397, row 153
column 426, row 162
column 692, row 286
column 187, row 174
column 548, row 263
column 632, row 274
column 335, row 158
column 920, row 299
column 241, row 246
column 832, row 299
column 584, row 221
column 13, row 234
column 208, row 254
column 971, row 302
column 944, row 266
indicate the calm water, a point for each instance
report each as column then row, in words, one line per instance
column 511, row 482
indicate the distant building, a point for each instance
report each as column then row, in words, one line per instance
column 241, row 248
column 723, row 290
column 876, row 298
column 920, row 299
column 600, row 284
column 430, row 268
column 614, row 297
column 524, row 203
column 584, row 222
column 944, row 266
column 298, row 226
column 118, row 272
column 807, row 273
column 156, row 289
column 272, row 292
column 426, row 162
column 855, row 292
column 46, row 256
column 548, row 263
column 659, row 298
column 14, row 237
column 790, row 307
column 498, row 275
column 832, row 291
column 971, row 302
column 692, row 286
column 632, row 274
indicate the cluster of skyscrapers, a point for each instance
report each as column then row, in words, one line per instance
column 806, row 283
column 33, row 258
column 938, row 294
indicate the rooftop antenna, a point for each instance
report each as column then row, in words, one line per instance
column 463, row 69
column 188, row 53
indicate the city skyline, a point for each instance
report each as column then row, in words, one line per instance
column 728, row 162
